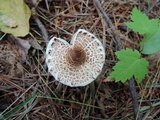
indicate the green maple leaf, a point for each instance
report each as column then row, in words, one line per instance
column 130, row 65
column 150, row 43
column 141, row 22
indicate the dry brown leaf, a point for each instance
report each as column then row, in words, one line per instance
column 23, row 47
column 34, row 44
column 9, row 61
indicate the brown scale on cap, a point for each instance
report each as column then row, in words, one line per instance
column 76, row 56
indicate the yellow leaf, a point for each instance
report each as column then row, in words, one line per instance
column 8, row 22
column 14, row 17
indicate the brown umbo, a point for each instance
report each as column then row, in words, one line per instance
column 76, row 56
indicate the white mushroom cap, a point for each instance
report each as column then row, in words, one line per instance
column 77, row 63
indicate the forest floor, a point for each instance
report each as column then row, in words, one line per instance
column 29, row 92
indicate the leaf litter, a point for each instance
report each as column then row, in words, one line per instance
column 100, row 100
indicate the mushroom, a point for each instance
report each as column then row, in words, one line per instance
column 78, row 63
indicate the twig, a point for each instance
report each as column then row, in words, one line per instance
column 119, row 46
column 43, row 31
column 41, row 26
column 153, row 5
column 39, row 23
column 134, row 98
column 109, row 22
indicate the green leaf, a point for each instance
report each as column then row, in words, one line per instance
column 141, row 22
column 14, row 17
column 130, row 65
column 151, row 43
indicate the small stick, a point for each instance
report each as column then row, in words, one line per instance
column 41, row 27
column 134, row 98
column 110, row 24
column 153, row 5
column 119, row 46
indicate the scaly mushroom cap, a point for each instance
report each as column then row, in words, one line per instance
column 77, row 63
